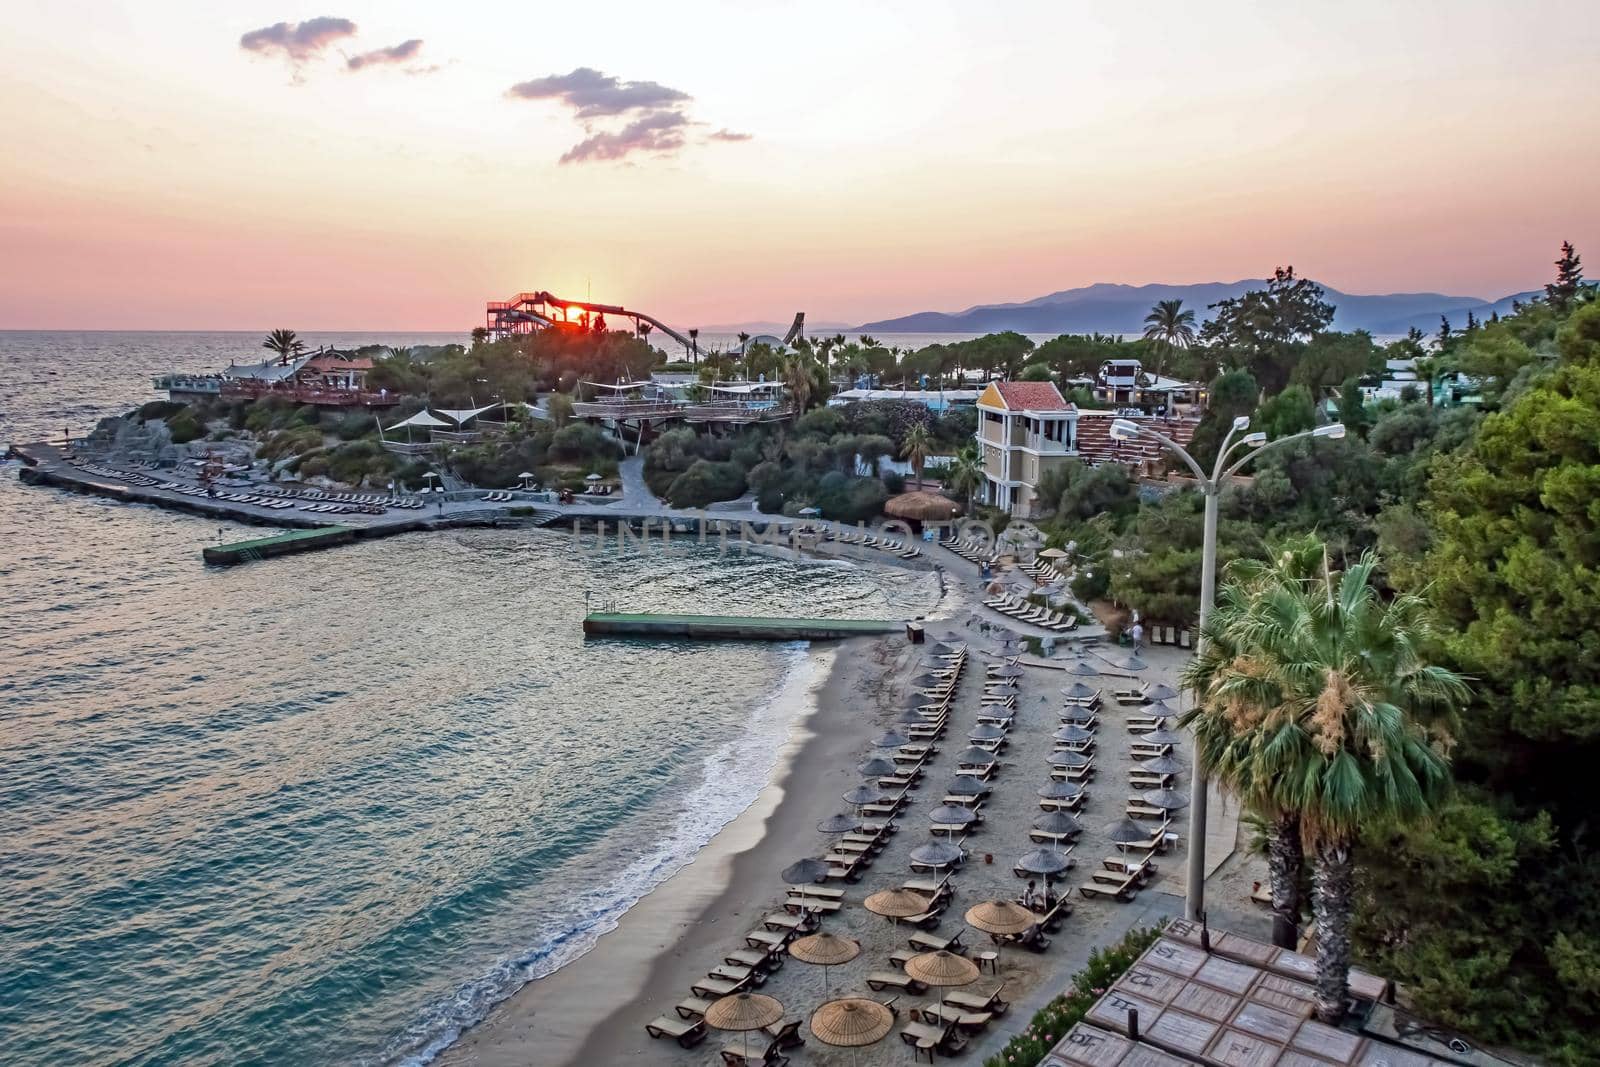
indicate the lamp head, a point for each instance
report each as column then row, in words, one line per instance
column 1241, row 422
column 1334, row 431
column 1123, row 430
column 1253, row 440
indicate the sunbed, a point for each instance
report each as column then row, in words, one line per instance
column 880, row 980
column 924, row 942
column 692, row 1007
column 712, row 988
column 1125, row 890
column 686, row 1032
column 989, row 1002
column 970, row 1021
column 1138, row 809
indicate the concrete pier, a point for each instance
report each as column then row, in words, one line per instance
column 733, row 627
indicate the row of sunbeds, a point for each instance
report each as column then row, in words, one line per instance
column 111, row 472
column 844, row 535
column 971, row 549
column 1025, row 610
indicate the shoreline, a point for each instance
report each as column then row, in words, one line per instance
column 593, row 1009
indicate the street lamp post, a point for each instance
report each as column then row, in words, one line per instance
column 1211, row 487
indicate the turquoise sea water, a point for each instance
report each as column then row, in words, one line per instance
column 330, row 808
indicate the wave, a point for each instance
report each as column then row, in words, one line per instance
column 732, row 776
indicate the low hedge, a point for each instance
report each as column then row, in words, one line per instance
column 1052, row 1021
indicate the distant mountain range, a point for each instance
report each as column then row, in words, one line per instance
column 1110, row 308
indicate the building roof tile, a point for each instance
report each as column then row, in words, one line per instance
column 1031, row 396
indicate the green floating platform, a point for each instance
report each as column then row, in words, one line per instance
column 733, row 627
column 278, row 545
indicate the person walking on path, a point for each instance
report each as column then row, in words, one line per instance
column 1138, row 635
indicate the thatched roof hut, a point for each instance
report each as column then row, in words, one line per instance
column 921, row 507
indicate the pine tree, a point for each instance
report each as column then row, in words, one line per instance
column 1444, row 331
column 1569, row 278
column 1472, row 321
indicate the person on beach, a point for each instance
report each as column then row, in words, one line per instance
column 1030, row 895
column 1138, row 636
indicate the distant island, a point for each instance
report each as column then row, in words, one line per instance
column 1111, row 308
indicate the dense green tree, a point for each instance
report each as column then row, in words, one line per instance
column 1233, row 393
column 915, row 449
column 1264, row 325
column 1073, row 490
column 1290, row 412
column 1330, row 359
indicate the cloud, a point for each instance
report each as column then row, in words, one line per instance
column 729, row 135
column 394, row 55
column 660, row 132
column 654, row 118
column 297, row 42
column 591, row 94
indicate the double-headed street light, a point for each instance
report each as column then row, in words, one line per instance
column 1211, row 487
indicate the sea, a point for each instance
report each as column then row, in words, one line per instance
column 331, row 808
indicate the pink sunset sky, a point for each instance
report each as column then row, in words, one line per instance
column 365, row 165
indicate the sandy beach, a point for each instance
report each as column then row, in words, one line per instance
column 595, row 1009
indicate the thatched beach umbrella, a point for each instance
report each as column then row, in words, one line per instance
column 890, row 739
column 743, row 1012
column 1043, row 861
column 921, row 507
column 1166, row 799
column 1162, row 736
column 853, row 1022
column 1059, row 790
column 1163, row 765
column 1161, row 691
column 911, row 716
column 806, row 870
column 1004, row 633
column 1052, row 553
column 1010, row 670
column 1001, row 917
column 939, row 649
column 952, row 815
column 976, row 757
column 1069, row 759
column 1073, row 735
column 824, row 950
column 986, row 731
column 941, row 970
column 968, row 785
column 1158, row 710
column 1057, row 822
column 1127, row 831
column 896, row 904
column 930, row 681
column 865, row 793
column 1077, row 715
column 1083, row 669
column 1079, row 691
column 952, row 637
column 839, row 824
column 937, row 854
column 877, row 767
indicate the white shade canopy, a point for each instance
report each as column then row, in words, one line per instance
column 423, row 418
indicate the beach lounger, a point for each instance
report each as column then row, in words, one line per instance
column 785, row 1033
column 763, row 959
column 738, row 973
column 933, row 888
column 881, row 980
column 924, row 942
column 1142, row 750
column 818, row 891
column 1129, row 695
column 989, row 1002
column 926, row 1038
column 1138, row 809
column 1124, row 890
column 1058, row 913
column 712, row 988
column 686, row 1032
column 692, row 1007
column 741, row 1055
column 952, row 1015
column 1146, row 780
column 782, row 922
column 757, row 938
column 1067, row 804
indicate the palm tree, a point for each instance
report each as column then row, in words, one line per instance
column 1235, row 687
column 915, row 448
column 1170, row 327
column 965, row 473
column 744, row 339
column 694, row 341
column 799, row 379
column 285, row 343
column 1343, row 722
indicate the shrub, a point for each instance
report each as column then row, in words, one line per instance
column 185, row 427
column 895, row 482
column 1105, row 966
column 291, row 442
column 579, row 443
column 354, row 425
column 157, row 409
column 705, row 482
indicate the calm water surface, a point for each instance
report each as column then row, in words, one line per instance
column 330, row 808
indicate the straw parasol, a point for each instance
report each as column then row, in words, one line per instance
column 1059, row 790
column 1161, row 691
column 1045, row 861
column 743, row 1012
column 825, row 950
column 952, row 815
column 1010, row 670
column 1077, row 715
column 1052, row 553
column 1069, row 759
column 852, row 1023
column 930, row 681
column 877, row 766
column 1083, row 669
column 976, row 757
column 1057, row 822
column 986, row 731
column 939, row 648
column 911, row 715
column 937, row 854
column 839, row 824
column 896, row 903
column 1166, row 799
column 1073, row 735
column 1129, row 663
column 1000, row 917
column 1158, row 710
column 967, row 785
column 1163, row 765
column 1004, row 633
column 1128, row 831
column 865, row 793
column 891, row 740
column 921, row 507
column 806, row 870
column 1079, row 691
column 1162, row 736
column 941, row 969
column 952, row 637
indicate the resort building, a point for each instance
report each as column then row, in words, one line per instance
column 1124, row 383
column 932, row 399
column 1027, row 429
column 1024, row 430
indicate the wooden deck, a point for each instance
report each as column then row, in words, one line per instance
column 733, row 627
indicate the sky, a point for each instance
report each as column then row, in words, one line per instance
column 354, row 164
